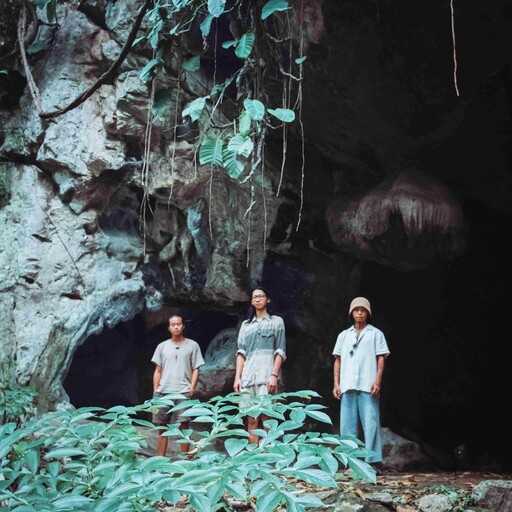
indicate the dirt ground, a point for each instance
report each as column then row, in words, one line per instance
column 403, row 487
column 411, row 486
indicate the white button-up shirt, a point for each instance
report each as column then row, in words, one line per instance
column 358, row 356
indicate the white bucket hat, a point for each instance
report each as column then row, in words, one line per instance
column 360, row 302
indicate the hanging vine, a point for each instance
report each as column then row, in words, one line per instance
column 452, row 19
column 236, row 111
column 232, row 125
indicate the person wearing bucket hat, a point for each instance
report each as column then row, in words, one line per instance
column 359, row 355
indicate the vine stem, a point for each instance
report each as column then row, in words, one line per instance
column 299, row 100
column 454, row 49
column 28, row 38
column 264, row 202
column 210, row 203
column 145, row 163
column 34, row 91
column 47, row 215
column 108, row 74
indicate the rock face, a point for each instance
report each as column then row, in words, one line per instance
column 494, row 495
column 107, row 223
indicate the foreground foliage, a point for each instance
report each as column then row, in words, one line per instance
column 90, row 459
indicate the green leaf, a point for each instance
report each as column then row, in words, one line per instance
column 199, row 411
column 155, row 464
column 255, row 108
column 71, row 502
column 300, row 60
column 298, row 415
column 32, row 459
column 233, row 166
column 53, row 468
column 138, row 40
column 309, row 501
column 63, row 452
column 362, row 469
column 125, row 489
column 234, row 446
column 237, row 490
column 192, row 64
column 319, row 416
column 244, row 124
column 306, row 462
column 216, row 7
column 200, row 502
column 283, row 114
column 51, row 10
column 143, row 423
column 244, row 45
column 228, row 44
column 235, row 432
column 269, row 501
column 210, row 152
column 312, row 476
column 241, row 145
column 272, row 6
column 145, row 72
column 195, row 108
column 36, row 47
column 329, row 463
column 206, row 25
column 162, row 101
column 197, row 476
column 203, row 419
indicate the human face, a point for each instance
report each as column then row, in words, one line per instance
column 176, row 326
column 360, row 314
column 259, row 299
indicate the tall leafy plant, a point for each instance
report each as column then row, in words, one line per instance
column 90, row 459
column 15, row 403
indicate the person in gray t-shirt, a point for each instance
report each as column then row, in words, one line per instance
column 177, row 361
column 261, row 352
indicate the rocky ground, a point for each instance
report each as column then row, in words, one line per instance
column 406, row 489
column 400, row 492
column 439, row 491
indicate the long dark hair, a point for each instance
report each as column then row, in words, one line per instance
column 251, row 312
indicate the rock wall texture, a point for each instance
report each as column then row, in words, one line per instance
column 105, row 222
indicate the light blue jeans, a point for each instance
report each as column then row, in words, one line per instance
column 359, row 405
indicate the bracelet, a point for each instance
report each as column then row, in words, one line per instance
column 274, row 375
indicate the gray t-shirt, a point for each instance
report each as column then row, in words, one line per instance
column 178, row 360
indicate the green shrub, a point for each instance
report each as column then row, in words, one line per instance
column 15, row 403
column 89, row 459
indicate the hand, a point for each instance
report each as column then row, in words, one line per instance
column 336, row 392
column 375, row 389
column 272, row 384
column 237, row 384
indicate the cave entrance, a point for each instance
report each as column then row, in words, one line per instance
column 108, row 367
column 445, row 362
column 114, row 367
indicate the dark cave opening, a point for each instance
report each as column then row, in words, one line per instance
column 105, row 370
column 114, row 367
column 445, row 377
